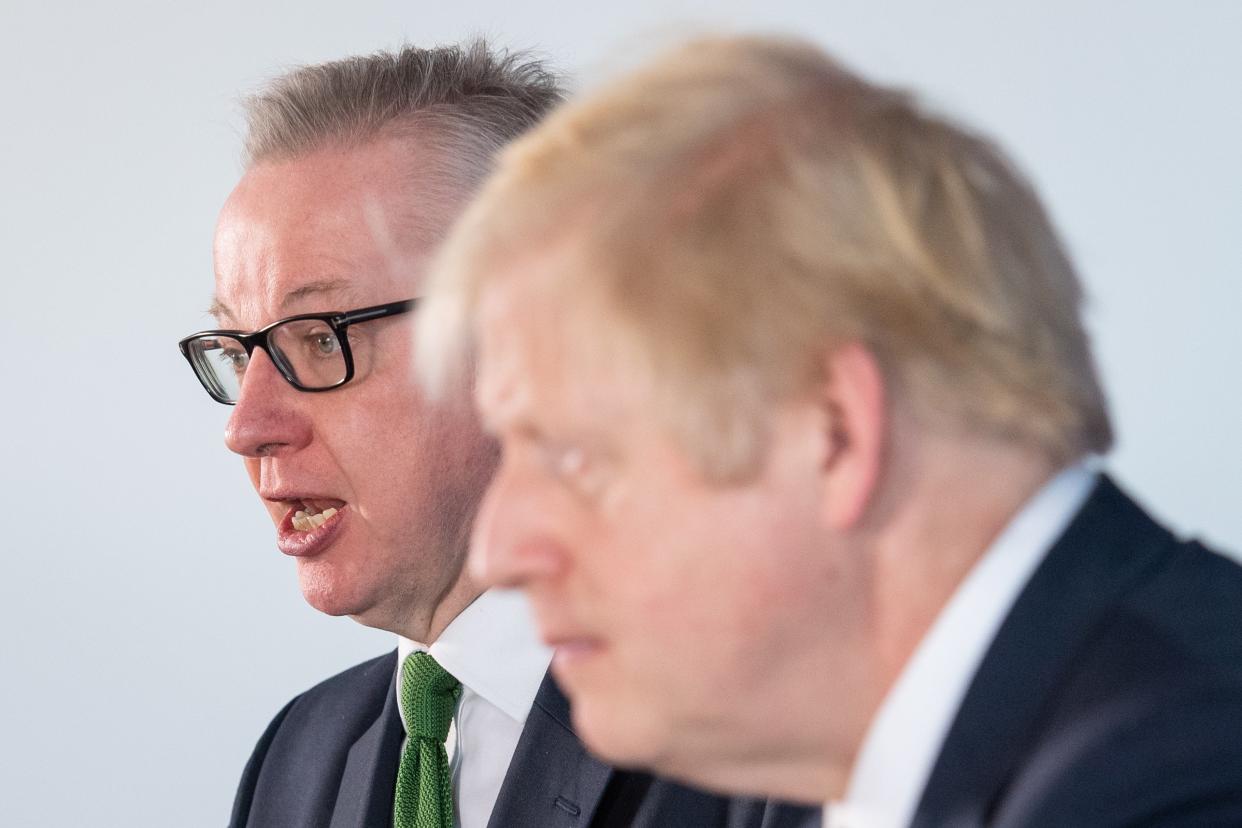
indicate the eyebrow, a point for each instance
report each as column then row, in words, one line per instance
column 325, row 286
column 219, row 309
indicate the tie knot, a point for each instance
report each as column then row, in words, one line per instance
column 428, row 697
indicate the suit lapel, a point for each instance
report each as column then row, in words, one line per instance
column 552, row 781
column 1108, row 546
column 370, row 775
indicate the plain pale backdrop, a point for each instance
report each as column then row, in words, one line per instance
column 150, row 628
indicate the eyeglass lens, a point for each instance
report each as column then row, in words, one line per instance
column 306, row 348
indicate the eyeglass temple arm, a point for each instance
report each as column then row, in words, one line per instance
column 365, row 314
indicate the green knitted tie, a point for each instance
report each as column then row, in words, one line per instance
column 429, row 696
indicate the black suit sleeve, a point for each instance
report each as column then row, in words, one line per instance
column 250, row 776
column 1174, row 765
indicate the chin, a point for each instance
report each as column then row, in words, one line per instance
column 619, row 733
column 641, row 742
column 329, row 593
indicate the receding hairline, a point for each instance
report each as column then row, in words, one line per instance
column 454, row 105
column 350, row 101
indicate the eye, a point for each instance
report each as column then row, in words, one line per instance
column 322, row 343
column 574, row 467
column 234, row 359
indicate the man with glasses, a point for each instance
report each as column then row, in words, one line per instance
column 354, row 171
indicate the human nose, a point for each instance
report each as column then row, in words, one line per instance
column 515, row 541
column 267, row 418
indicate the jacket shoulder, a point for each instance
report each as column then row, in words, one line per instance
column 1173, row 761
column 1147, row 726
column 336, row 709
column 1194, row 602
column 351, row 689
column 313, row 732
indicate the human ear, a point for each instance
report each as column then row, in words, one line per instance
column 852, row 398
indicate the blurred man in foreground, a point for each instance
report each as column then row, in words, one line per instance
column 796, row 408
column 355, row 170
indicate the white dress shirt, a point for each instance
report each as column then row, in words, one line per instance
column 492, row 648
column 905, row 737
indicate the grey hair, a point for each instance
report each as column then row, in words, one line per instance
column 464, row 102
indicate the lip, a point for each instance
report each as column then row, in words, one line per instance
column 308, row 544
column 571, row 653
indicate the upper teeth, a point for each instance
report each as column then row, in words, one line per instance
column 304, row 521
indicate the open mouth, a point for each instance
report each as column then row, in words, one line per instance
column 309, row 515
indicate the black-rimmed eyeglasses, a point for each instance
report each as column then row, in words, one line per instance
column 311, row 351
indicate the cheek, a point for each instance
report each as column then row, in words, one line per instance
column 726, row 582
column 375, row 436
column 655, row 598
column 253, row 465
column 647, row 560
column 420, row 469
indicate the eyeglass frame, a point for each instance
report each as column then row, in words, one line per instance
column 338, row 321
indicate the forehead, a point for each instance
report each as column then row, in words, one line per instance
column 547, row 360
column 332, row 229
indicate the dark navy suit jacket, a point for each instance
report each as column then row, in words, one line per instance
column 1112, row 694
column 329, row 760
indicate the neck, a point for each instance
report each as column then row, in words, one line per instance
column 944, row 501
column 463, row 595
column 951, row 499
column 426, row 623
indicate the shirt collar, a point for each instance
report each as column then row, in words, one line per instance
column 492, row 648
column 904, row 739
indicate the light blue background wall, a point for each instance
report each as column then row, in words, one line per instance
column 150, row 629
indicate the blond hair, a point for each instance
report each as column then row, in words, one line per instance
column 747, row 202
